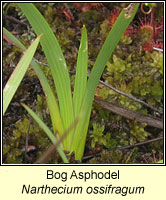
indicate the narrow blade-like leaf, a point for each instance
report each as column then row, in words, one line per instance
column 47, row 131
column 57, row 64
column 12, row 39
column 81, row 73
column 51, row 101
column 18, row 74
column 121, row 24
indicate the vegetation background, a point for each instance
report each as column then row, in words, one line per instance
column 135, row 68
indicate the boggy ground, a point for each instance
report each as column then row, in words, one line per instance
column 135, row 68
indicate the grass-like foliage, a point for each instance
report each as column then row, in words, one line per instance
column 19, row 72
column 78, row 105
column 46, row 87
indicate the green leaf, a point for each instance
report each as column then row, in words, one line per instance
column 47, row 131
column 81, row 72
column 51, row 101
column 58, row 67
column 12, row 39
column 18, row 74
column 105, row 53
column 57, row 64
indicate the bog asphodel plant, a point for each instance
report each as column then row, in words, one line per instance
column 78, row 105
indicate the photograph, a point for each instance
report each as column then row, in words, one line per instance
column 82, row 83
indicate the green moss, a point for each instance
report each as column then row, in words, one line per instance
column 112, row 157
column 103, row 92
column 97, row 135
column 130, row 69
column 111, row 143
column 138, row 131
column 15, row 151
column 126, row 39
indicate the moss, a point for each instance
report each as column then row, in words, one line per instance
column 112, row 157
column 138, row 131
column 131, row 69
column 97, row 135
column 15, row 152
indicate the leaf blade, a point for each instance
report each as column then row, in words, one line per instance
column 47, row 131
column 57, row 64
column 50, row 97
column 18, row 74
column 105, row 53
column 81, row 72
